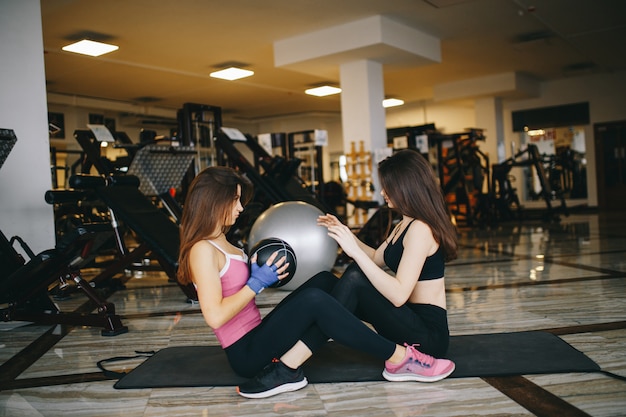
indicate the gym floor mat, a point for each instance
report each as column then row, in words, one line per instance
column 481, row 355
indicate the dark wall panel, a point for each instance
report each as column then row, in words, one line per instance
column 556, row 116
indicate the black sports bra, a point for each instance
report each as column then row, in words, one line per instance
column 434, row 265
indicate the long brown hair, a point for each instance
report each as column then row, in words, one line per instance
column 410, row 184
column 208, row 205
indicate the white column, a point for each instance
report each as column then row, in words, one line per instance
column 362, row 112
column 359, row 48
column 25, row 176
column 489, row 117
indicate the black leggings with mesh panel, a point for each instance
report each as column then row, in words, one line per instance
column 311, row 314
column 425, row 325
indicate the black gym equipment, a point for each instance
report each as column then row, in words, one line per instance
column 161, row 169
column 93, row 155
column 25, row 295
column 276, row 182
column 463, row 169
column 409, row 136
column 156, row 169
column 303, row 146
column 157, row 231
column 464, row 174
column 197, row 126
column 24, row 283
column 505, row 196
column 275, row 178
column 7, row 141
column 480, row 194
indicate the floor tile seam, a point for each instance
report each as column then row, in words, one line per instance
column 586, row 328
column 480, row 245
column 49, row 381
column 571, row 330
column 136, row 316
column 585, row 267
column 548, row 259
column 18, row 363
column 21, row 361
column 455, row 264
column 527, row 256
column 533, row 397
column 531, row 283
column 604, row 252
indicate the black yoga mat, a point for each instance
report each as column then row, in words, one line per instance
column 496, row 354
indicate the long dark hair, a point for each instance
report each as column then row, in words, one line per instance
column 410, row 184
column 208, row 204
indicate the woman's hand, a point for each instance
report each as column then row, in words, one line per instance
column 328, row 220
column 269, row 273
column 340, row 233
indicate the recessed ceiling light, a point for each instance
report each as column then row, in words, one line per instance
column 324, row 90
column 392, row 102
column 91, row 48
column 232, row 73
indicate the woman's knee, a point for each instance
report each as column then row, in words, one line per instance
column 323, row 280
column 353, row 274
column 314, row 295
column 351, row 281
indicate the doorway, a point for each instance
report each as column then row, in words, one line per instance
column 610, row 146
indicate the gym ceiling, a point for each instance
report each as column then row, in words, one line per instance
column 168, row 48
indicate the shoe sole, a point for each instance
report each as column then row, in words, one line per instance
column 293, row 386
column 414, row 377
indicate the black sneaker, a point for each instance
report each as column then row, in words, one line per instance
column 274, row 379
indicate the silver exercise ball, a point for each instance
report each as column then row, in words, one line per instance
column 296, row 223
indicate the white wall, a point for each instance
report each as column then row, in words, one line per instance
column 25, row 176
column 447, row 117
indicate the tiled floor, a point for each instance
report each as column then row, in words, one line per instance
column 567, row 278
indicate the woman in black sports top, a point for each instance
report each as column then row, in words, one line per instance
column 302, row 322
column 409, row 304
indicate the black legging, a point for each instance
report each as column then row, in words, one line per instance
column 310, row 314
column 422, row 324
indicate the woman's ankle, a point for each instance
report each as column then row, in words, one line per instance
column 398, row 355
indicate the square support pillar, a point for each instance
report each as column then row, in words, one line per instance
column 362, row 112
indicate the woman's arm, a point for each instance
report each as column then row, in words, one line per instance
column 205, row 267
column 418, row 243
column 376, row 255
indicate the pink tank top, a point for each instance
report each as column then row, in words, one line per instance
column 234, row 276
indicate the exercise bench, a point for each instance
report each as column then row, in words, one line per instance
column 24, row 284
column 157, row 231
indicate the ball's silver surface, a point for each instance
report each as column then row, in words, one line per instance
column 296, row 223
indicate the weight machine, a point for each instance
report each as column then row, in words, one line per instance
column 24, row 284
column 464, row 173
column 504, row 195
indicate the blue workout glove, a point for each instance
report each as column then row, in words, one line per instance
column 261, row 277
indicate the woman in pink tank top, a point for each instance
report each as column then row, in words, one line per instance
column 273, row 348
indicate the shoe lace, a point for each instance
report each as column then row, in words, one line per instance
column 419, row 356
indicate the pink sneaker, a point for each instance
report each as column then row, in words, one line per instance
column 418, row 366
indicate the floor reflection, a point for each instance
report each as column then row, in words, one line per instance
column 566, row 277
